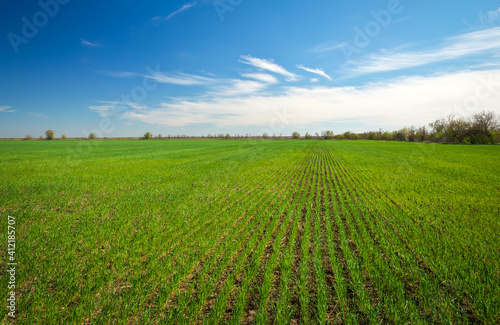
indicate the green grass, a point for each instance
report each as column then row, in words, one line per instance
column 251, row 231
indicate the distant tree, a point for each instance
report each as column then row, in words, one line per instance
column 63, row 136
column 227, row 136
column 401, row 135
column 437, row 130
column 317, row 135
column 28, row 137
column 421, row 134
column 91, row 136
column 147, row 135
column 159, row 136
column 327, row 135
column 40, row 138
column 412, row 134
column 386, row 136
column 49, row 134
column 456, row 129
column 308, row 136
column 496, row 136
column 483, row 126
column 295, row 135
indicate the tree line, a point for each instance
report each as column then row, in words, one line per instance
column 480, row 128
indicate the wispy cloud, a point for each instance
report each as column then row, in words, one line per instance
column 316, row 71
column 473, row 43
column 36, row 114
column 314, row 80
column 240, row 87
column 110, row 108
column 268, row 65
column 182, row 79
column 327, row 47
column 178, row 11
column 118, row 74
column 264, row 77
column 6, row 109
column 413, row 101
column 490, row 18
column 89, row 44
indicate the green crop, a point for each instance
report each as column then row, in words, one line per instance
column 251, row 231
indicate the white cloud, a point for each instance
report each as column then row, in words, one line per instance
column 183, row 79
column 327, row 47
column 490, row 18
column 6, row 109
column 89, row 44
column 478, row 42
column 110, row 108
column 240, row 87
column 316, row 71
column 314, row 80
column 390, row 105
column 264, row 77
column 181, row 9
column 268, row 65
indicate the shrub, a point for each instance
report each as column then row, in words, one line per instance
column 91, row 136
column 49, row 134
column 327, row 135
column 63, row 136
column 295, row 135
column 28, row 137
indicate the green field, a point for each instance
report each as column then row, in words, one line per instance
column 251, row 231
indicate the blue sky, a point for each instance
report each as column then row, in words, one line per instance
column 121, row 68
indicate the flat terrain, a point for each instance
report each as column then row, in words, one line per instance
column 283, row 231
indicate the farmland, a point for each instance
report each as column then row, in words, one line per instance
column 252, row 231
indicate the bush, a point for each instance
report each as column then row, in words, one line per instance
column 91, row 136
column 147, row 135
column 28, row 137
column 308, row 136
column 49, row 134
column 63, row 136
column 327, row 135
column 295, row 135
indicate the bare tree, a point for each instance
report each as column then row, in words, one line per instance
column 483, row 126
